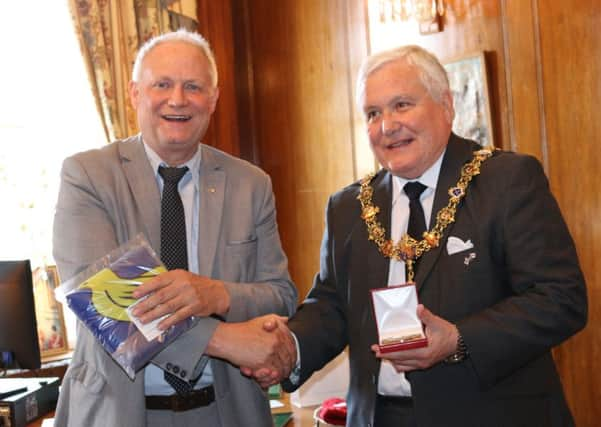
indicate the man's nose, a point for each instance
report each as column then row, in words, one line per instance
column 177, row 96
column 390, row 123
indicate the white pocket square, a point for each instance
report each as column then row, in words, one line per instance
column 455, row 245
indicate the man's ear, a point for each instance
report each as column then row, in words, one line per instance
column 214, row 98
column 447, row 103
column 134, row 93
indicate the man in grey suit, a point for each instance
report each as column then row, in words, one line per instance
column 497, row 271
column 237, row 269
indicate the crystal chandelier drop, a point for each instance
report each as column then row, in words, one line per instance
column 403, row 10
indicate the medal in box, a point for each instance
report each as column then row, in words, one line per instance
column 395, row 311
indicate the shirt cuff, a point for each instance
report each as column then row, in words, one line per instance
column 294, row 377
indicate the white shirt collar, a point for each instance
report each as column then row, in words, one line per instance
column 429, row 178
column 155, row 160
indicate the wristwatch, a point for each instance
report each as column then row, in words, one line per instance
column 461, row 352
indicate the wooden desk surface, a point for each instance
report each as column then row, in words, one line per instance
column 302, row 417
column 38, row 422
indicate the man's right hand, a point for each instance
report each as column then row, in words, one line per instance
column 262, row 347
column 265, row 376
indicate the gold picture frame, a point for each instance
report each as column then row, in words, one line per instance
column 468, row 80
column 52, row 333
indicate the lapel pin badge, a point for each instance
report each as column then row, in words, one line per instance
column 469, row 258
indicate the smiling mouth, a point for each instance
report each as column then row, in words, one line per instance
column 401, row 143
column 176, row 117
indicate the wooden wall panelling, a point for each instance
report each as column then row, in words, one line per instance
column 525, row 100
column 215, row 24
column 303, row 123
column 571, row 66
column 358, row 47
column 244, row 73
column 268, row 35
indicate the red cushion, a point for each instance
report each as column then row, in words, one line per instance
column 333, row 411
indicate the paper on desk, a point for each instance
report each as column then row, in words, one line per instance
column 274, row 404
column 48, row 422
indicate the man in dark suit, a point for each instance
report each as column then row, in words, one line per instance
column 497, row 272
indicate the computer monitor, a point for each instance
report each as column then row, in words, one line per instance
column 19, row 346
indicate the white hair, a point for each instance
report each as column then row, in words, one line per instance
column 182, row 35
column 431, row 72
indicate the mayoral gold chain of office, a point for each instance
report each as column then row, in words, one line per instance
column 409, row 249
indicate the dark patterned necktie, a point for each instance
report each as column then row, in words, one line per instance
column 174, row 251
column 417, row 218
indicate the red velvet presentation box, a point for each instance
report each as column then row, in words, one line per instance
column 395, row 311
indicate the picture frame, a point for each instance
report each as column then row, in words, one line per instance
column 52, row 333
column 468, row 80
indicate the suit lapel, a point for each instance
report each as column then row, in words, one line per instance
column 368, row 268
column 142, row 182
column 212, row 193
column 456, row 155
column 378, row 264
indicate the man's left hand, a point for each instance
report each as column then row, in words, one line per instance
column 442, row 342
column 180, row 294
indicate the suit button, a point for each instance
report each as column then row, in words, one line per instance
column 175, row 369
column 169, row 366
column 183, row 373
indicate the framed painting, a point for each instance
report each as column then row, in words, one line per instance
column 469, row 84
column 52, row 333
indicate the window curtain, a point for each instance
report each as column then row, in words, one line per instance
column 110, row 33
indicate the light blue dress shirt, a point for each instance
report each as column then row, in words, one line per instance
column 189, row 191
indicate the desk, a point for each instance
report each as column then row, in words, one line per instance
column 51, row 368
column 55, row 367
column 302, row 417
column 38, row 422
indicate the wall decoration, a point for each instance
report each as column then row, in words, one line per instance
column 468, row 81
column 52, row 333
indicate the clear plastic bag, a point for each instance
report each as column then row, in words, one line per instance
column 100, row 295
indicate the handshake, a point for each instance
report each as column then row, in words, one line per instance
column 263, row 348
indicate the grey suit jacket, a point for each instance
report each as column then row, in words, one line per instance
column 520, row 293
column 109, row 195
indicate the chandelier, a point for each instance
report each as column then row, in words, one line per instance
column 423, row 11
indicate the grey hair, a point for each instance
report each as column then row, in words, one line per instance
column 182, row 35
column 431, row 72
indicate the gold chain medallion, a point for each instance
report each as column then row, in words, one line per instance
column 408, row 249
